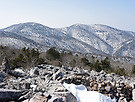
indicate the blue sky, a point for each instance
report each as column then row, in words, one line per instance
column 61, row 13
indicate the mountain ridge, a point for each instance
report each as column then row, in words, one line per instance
column 96, row 38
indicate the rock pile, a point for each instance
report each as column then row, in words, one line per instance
column 44, row 84
column 112, row 85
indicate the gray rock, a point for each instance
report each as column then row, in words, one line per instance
column 38, row 98
column 93, row 73
column 34, row 71
column 27, row 85
column 18, row 73
column 47, row 79
column 10, row 95
column 71, row 98
column 102, row 72
column 59, row 100
column 25, row 96
column 2, row 76
column 58, row 75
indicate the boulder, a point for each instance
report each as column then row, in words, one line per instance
column 18, row 73
column 122, row 99
column 27, row 85
column 58, row 75
column 70, row 98
column 62, row 97
column 95, row 87
column 133, row 94
column 10, row 95
column 38, row 98
column 59, row 100
column 2, row 76
column 26, row 96
column 34, row 71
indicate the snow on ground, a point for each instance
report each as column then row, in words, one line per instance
column 82, row 95
column 19, row 70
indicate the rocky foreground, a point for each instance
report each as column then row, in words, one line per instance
column 44, row 84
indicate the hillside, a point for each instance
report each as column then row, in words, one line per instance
column 95, row 39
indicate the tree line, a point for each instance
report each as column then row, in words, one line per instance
column 28, row 58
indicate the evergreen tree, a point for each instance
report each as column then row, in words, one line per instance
column 120, row 71
column 97, row 66
column 52, row 54
column 105, row 64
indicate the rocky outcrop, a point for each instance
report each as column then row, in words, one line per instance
column 17, row 73
column 2, row 76
column 44, row 83
column 10, row 95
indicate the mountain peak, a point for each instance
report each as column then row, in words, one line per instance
column 32, row 24
column 95, row 38
column 26, row 27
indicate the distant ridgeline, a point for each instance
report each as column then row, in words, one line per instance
column 95, row 39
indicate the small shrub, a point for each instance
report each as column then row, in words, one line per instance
column 85, row 61
column 133, row 69
column 41, row 61
column 73, row 63
column 120, row 71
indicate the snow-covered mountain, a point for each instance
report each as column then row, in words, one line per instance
column 128, row 49
column 102, row 37
column 14, row 40
column 50, row 37
column 97, row 39
column 85, row 34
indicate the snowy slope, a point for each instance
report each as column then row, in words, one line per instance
column 97, row 38
column 84, row 34
column 102, row 37
column 112, row 36
column 14, row 40
column 51, row 37
column 128, row 49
